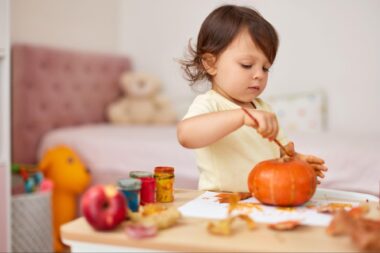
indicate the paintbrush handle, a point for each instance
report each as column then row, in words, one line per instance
column 257, row 123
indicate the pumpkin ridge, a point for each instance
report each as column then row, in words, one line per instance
column 272, row 185
column 311, row 192
column 292, row 187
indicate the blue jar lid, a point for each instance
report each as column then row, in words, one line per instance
column 129, row 184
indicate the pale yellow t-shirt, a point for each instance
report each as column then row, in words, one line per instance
column 225, row 164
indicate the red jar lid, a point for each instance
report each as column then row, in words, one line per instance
column 162, row 169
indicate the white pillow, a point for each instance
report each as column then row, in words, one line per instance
column 304, row 112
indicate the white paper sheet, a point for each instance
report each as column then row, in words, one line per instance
column 208, row 206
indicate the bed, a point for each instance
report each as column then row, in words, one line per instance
column 60, row 96
column 111, row 151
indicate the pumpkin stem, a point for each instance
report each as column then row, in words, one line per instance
column 286, row 158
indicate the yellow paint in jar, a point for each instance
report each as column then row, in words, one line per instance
column 164, row 177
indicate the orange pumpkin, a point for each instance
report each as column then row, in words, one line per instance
column 282, row 182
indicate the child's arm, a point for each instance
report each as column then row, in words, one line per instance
column 317, row 163
column 202, row 130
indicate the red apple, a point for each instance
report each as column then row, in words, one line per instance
column 104, row 207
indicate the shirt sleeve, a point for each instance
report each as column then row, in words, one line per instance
column 201, row 105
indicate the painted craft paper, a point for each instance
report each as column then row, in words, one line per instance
column 208, row 206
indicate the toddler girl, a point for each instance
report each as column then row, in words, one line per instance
column 235, row 49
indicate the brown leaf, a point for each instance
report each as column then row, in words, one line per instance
column 224, row 227
column 333, row 207
column 221, row 227
column 341, row 224
column 226, row 197
column 250, row 223
column 366, row 234
column 234, row 200
column 285, row 225
column 359, row 211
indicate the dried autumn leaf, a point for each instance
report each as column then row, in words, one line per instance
column 224, row 227
column 158, row 215
column 248, row 207
column 234, row 200
column 285, row 225
column 221, row 227
column 310, row 206
column 245, row 195
column 369, row 224
column 226, row 197
column 366, row 234
column 359, row 211
column 367, row 241
column 341, row 224
column 333, row 207
column 250, row 223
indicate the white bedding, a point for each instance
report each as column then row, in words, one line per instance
column 112, row 151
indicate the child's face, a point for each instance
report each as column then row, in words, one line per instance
column 241, row 71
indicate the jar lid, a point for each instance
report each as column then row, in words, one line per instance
column 129, row 184
column 164, row 169
column 140, row 174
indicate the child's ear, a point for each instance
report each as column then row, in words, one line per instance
column 208, row 61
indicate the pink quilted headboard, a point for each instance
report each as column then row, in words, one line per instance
column 54, row 88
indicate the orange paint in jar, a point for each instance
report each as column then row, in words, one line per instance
column 164, row 177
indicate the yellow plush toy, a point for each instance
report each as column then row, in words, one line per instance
column 70, row 177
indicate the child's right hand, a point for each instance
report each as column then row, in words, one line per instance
column 266, row 123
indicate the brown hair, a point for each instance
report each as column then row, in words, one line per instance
column 220, row 28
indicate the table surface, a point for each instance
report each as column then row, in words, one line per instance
column 190, row 234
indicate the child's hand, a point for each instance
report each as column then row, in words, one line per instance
column 264, row 122
column 317, row 163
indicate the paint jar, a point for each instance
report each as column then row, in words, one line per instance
column 148, row 186
column 148, row 190
column 164, row 177
column 130, row 187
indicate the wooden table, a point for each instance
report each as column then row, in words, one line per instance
column 190, row 234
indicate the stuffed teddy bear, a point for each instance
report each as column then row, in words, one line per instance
column 143, row 103
column 70, row 177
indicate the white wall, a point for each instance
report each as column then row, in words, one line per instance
column 329, row 44
column 156, row 33
column 85, row 24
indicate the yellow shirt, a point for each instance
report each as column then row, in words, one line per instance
column 225, row 164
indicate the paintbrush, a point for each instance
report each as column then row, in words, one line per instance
column 275, row 140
